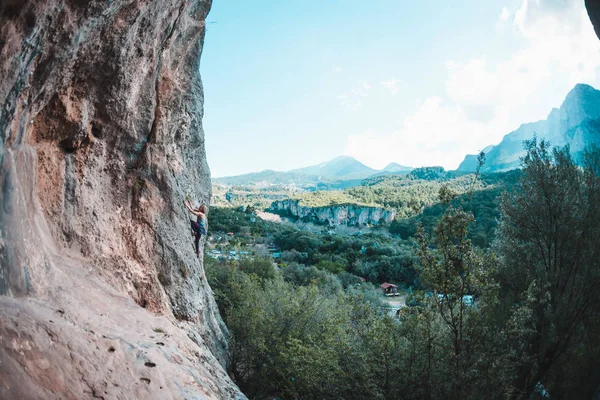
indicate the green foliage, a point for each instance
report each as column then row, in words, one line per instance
column 330, row 266
column 482, row 203
column 427, row 173
column 328, row 198
column 226, row 219
column 455, row 272
column 407, row 194
column 301, row 275
column 549, row 235
column 314, row 330
column 375, row 257
column 261, row 267
column 287, row 340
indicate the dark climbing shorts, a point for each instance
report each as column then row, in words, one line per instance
column 198, row 230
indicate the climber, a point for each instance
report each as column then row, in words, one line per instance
column 198, row 226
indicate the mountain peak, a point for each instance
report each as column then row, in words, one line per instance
column 342, row 166
column 340, row 158
column 574, row 123
column 337, row 160
column 580, row 104
column 582, row 86
column 395, row 167
column 581, row 92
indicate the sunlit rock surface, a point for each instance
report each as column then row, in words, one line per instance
column 353, row 215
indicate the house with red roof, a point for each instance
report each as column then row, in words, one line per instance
column 389, row 289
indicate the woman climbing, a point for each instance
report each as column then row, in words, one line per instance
column 198, row 226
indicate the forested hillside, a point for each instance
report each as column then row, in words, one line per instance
column 517, row 318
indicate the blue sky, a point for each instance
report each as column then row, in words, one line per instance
column 294, row 83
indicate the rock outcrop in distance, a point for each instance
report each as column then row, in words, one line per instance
column 576, row 123
column 101, row 295
column 335, row 215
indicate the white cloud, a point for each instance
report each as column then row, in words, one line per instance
column 560, row 50
column 336, row 69
column 425, row 138
column 350, row 101
column 353, row 99
column 486, row 100
column 503, row 21
column 365, row 85
column 391, row 85
column 505, row 15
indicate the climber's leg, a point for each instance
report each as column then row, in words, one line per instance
column 195, row 227
column 197, row 243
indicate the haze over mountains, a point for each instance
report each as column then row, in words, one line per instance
column 576, row 122
column 343, row 171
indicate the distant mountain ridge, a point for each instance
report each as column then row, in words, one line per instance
column 575, row 123
column 396, row 168
column 341, row 172
column 339, row 167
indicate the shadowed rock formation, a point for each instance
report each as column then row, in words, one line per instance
column 101, row 295
column 593, row 9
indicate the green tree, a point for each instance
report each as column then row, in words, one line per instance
column 261, row 267
column 549, row 240
column 455, row 272
column 330, row 266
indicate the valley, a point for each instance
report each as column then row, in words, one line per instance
column 314, row 261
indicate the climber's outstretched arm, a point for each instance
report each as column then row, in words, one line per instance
column 190, row 209
column 188, row 206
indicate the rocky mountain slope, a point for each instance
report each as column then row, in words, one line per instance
column 469, row 164
column 100, row 141
column 343, row 166
column 575, row 123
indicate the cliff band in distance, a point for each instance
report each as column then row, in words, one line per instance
column 101, row 295
column 334, row 215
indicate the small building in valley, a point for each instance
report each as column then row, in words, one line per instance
column 389, row 289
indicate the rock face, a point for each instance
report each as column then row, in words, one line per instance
column 101, row 295
column 334, row 215
column 576, row 123
column 469, row 164
column 593, row 9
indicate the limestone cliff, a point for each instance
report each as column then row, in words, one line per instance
column 101, row 295
column 343, row 214
column 575, row 123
